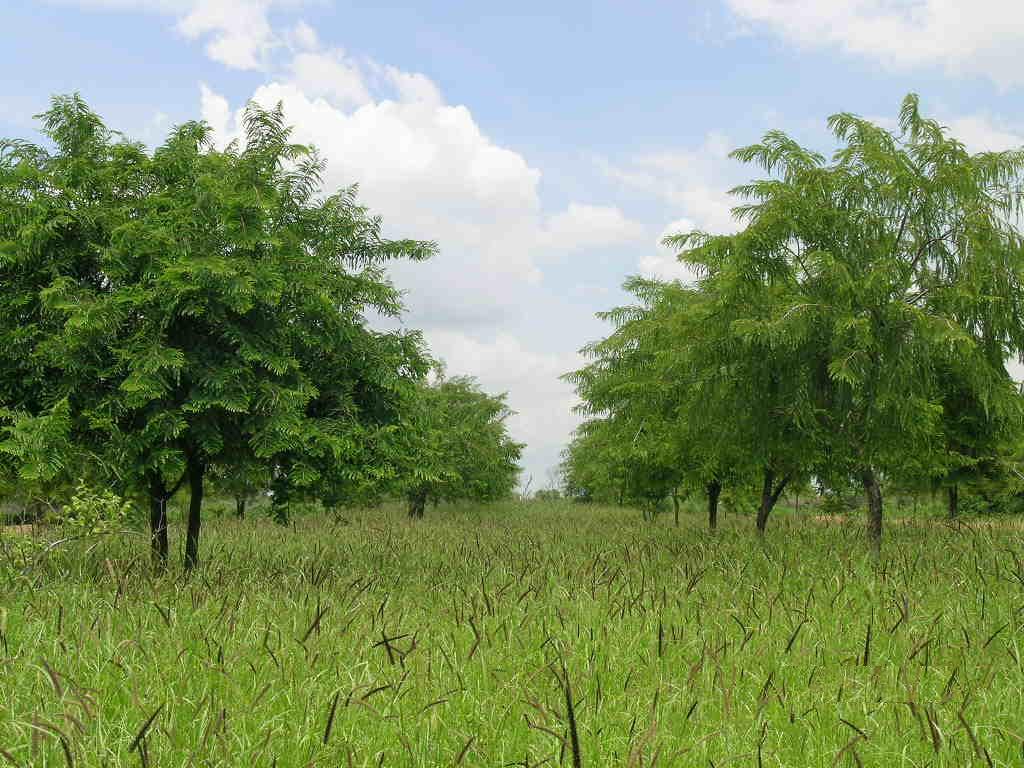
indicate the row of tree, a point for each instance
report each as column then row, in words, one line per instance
column 191, row 312
column 855, row 330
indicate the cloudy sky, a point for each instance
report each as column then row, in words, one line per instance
column 546, row 146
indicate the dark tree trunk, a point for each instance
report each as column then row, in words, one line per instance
column 954, row 501
column 769, row 498
column 196, row 471
column 158, row 522
column 240, row 507
column 714, row 489
column 873, row 492
column 675, row 507
column 417, row 503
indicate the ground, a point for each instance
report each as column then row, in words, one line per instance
column 462, row 639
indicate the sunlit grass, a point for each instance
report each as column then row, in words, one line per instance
column 462, row 638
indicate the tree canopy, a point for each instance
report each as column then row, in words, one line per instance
column 856, row 326
column 168, row 312
column 453, row 444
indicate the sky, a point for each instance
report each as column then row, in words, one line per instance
column 546, row 147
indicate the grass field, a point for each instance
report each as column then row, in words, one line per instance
column 499, row 636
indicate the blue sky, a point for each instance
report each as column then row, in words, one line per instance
column 545, row 146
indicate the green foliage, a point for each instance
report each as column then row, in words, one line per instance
column 191, row 308
column 90, row 512
column 889, row 267
column 87, row 515
column 634, row 445
column 547, row 494
column 855, row 328
column 452, row 444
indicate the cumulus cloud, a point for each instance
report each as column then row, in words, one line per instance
column 583, row 226
column 982, row 39
column 237, row 33
column 430, row 171
column 427, row 167
column 329, row 74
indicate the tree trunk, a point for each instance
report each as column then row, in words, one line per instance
column 954, row 501
column 158, row 523
column 196, row 471
column 675, row 507
column 417, row 503
column 769, row 498
column 240, row 507
column 714, row 489
column 873, row 491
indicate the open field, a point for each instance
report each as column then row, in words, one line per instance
column 462, row 638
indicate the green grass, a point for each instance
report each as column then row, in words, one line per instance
column 679, row 647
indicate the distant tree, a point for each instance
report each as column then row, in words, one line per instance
column 548, row 494
column 687, row 397
column 242, row 482
column 633, row 391
column 898, row 259
column 193, row 308
column 592, row 465
column 453, row 443
column 749, row 407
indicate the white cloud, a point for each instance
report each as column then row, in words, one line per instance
column 982, row 38
column 215, row 110
column 694, row 183
column 303, row 37
column 589, row 226
column 237, row 33
column 980, row 133
column 427, row 167
column 413, row 87
column 430, row 172
column 329, row 74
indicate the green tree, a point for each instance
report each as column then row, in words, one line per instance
column 453, row 444
column 635, row 392
column 193, row 308
column 897, row 260
column 593, row 464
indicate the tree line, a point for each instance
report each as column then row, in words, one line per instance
column 854, row 331
column 190, row 313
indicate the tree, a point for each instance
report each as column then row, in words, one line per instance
column 452, row 444
column 696, row 398
column 194, row 308
column 624, row 442
column 593, row 468
column 895, row 261
column 242, row 482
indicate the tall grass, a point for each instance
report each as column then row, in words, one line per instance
column 522, row 634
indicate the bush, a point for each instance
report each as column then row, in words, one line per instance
column 87, row 514
column 92, row 513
